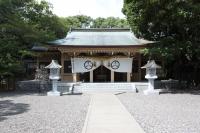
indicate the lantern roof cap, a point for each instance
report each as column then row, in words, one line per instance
column 151, row 64
column 53, row 64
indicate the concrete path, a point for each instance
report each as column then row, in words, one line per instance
column 106, row 114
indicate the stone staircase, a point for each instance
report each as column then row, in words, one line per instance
column 105, row 87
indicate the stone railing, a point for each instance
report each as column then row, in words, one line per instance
column 40, row 83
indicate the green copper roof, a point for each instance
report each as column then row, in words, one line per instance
column 99, row 37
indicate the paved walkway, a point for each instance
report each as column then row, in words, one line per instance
column 106, row 114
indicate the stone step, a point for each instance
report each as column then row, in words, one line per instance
column 102, row 87
column 88, row 87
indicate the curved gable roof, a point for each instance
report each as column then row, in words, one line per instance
column 100, row 37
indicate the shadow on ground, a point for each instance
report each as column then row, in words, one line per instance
column 21, row 93
column 73, row 94
column 120, row 93
column 192, row 92
column 9, row 108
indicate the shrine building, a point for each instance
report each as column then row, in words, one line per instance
column 96, row 55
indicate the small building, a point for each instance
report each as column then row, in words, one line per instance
column 96, row 55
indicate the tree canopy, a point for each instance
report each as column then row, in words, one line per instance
column 77, row 21
column 175, row 26
column 26, row 22
column 23, row 23
column 110, row 22
column 83, row 21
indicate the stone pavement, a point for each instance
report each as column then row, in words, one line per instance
column 106, row 114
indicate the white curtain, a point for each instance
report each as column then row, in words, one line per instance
column 119, row 64
column 80, row 65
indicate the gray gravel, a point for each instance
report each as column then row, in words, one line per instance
column 165, row 113
column 36, row 113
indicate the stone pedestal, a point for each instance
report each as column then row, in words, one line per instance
column 151, row 90
column 53, row 93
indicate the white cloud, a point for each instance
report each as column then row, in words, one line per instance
column 93, row 8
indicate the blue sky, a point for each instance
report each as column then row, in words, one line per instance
column 93, row 8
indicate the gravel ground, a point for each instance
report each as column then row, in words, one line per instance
column 38, row 113
column 165, row 113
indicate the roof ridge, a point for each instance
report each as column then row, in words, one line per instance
column 100, row 29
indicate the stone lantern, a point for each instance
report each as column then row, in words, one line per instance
column 54, row 76
column 151, row 67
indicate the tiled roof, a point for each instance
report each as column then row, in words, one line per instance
column 100, row 37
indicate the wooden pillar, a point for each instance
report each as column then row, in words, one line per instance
column 139, row 64
column 62, row 64
column 129, row 74
column 112, row 76
column 74, row 77
column 91, row 76
column 128, row 77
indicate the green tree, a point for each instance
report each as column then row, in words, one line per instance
column 110, row 22
column 21, row 24
column 175, row 26
column 99, row 23
column 78, row 21
column 82, row 21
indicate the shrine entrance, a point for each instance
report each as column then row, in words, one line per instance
column 102, row 74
